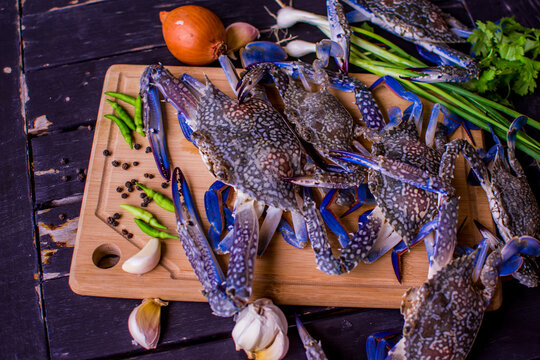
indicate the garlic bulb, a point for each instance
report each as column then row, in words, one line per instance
column 145, row 260
column 144, row 323
column 261, row 331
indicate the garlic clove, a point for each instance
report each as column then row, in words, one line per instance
column 144, row 323
column 240, row 34
column 145, row 260
column 277, row 350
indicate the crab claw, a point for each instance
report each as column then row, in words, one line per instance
column 340, row 32
column 326, row 48
column 198, row 251
column 153, row 123
column 261, row 51
column 249, row 81
column 313, row 347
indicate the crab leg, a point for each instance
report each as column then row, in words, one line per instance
column 244, row 249
column 313, row 347
column 465, row 67
column 198, row 250
column 215, row 199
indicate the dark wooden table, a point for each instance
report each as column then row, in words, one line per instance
column 54, row 55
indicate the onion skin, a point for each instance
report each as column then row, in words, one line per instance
column 193, row 34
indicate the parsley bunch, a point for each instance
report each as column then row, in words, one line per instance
column 507, row 53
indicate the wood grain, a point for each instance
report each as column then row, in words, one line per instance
column 285, row 274
column 22, row 332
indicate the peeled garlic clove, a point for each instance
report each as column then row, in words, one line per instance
column 144, row 323
column 240, row 34
column 257, row 328
column 299, row 48
column 277, row 350
column 145, row 260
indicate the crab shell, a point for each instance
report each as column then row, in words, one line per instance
column 247, row 145
column 443, row 316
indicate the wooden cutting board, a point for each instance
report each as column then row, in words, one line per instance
column 283, row 273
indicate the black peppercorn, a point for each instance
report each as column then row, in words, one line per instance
column 142, row 195
column 129, row 236
column 143, row 204
column 125, row 166
column 164, row 185
column 137, row 146
column 115, row 223
column 130, row 189
column 124, row 196
column 150, row 176
column 135, row 163
column 106, row 152
column 115, row 163
column 116, row 216
column 124, row 232
column 119, row 189
column 148, row 149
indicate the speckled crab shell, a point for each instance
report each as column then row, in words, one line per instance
column 248, row 146
column 443, row 316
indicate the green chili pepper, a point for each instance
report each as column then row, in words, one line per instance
column 122, row 114
column 147, row 229
column 126, row 133
column 158, row 197
column 144, row 215
column 138, row 116
column 124, row 97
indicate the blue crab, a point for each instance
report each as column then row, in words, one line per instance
column 511, row 200
column 403, row 212
column 424, row 24
column 443, row 315
column 246, row 146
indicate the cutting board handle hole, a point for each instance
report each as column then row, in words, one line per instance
column 106, row 256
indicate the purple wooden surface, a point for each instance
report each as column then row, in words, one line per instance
column 68, row 46
column 22, row 332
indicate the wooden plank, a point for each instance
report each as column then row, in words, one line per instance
column 57, row 158
column 57, row 228
column 22, row 330
column 54, row 37
column 82, row 327
column 375, row 283
column 66, row 97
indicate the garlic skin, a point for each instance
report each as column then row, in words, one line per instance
column 144, row 323
column 239, row 34
column 145, row 260
column 261, row 331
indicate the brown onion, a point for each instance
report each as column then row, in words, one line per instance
column 193, row 34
